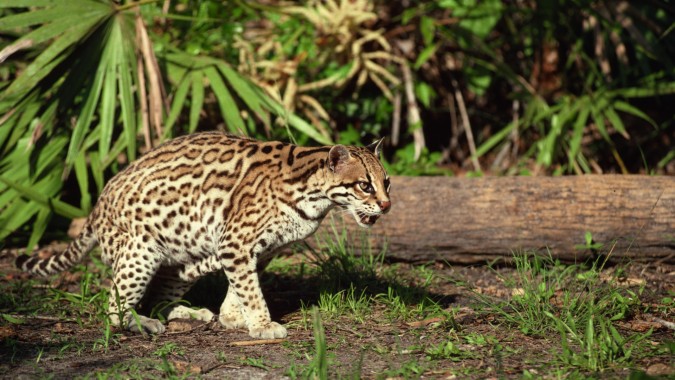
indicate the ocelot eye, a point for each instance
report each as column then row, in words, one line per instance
column 366, row 187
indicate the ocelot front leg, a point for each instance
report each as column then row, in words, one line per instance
column 231, row 315
column 244, row 304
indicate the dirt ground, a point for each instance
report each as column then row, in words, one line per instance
column 44, row 346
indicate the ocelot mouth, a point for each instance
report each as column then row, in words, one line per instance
column 368, row 220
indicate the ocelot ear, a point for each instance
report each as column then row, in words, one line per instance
column 338, row 156
column 376, row 147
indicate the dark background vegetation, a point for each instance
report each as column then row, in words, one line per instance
column 464, row 87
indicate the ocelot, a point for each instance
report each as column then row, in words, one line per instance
column 211, row 201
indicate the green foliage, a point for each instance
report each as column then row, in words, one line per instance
column 169, row 348
column 353, row 285
column 596, row 346
column 404, row 163
column 574, row 302
column 574, row 73
column 567, row 86
column 341, row 264
column 88, row 87
column 258, row 362
column 319, row 364
column 446, row 350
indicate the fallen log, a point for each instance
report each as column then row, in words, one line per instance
column 474, row 220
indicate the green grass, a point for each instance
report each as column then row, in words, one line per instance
column 573, row 303
column 319, row 362
column 354, row 281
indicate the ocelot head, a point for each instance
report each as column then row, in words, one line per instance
column 360, row 183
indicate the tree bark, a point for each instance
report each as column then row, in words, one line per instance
column 474, row 220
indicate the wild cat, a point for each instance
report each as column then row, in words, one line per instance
column 211, row 201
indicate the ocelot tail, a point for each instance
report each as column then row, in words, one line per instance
column 209, row 202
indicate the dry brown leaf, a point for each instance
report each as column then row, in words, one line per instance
column 7, row 332
column 186, row 367
column 62, row 329
column 640, row 326
column 182, row 325
column 660, row 369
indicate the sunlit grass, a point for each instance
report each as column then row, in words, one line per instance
column 571, row 303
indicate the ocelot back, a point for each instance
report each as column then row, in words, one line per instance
column 211, row 201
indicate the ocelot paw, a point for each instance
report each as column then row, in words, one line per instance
column 270, row 330
column 185, row 312
column 232, row 320
column 148, row 325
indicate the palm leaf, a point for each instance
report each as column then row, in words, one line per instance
column 81, row 92
column 50, row 57
column 39, row 199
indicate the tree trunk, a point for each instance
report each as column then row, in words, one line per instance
column 474, row 220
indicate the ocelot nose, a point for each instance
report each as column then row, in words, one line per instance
column 384, row 205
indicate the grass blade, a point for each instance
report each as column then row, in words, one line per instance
column 25, row 3
column 197, row 99
column 83, row 181
column 577, row 133
column 39, row 228
column 49, row 58
column 243, row 90
column 177, row 105
column 124, row 68
column 108, row 98
column 96, row 170
column 615, row 120
column 40, row 199
column 84, row 119
column 18, row 213
column 629, row 109
column 228, row 107
column 295, row 121
column 494, row 140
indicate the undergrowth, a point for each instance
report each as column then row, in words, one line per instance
column 575, row 304
column 575, row 311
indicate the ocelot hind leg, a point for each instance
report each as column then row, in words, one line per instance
column 131, row 278
column 164, row 292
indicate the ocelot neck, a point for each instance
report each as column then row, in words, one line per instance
column 304, row 180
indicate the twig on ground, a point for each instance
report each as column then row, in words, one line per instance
column 43, row 317
column 426, row 322
column 256, row 342
column 664, row 323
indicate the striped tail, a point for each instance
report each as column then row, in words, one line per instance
column 61, row 261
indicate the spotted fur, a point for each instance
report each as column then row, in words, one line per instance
column 209, row 202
